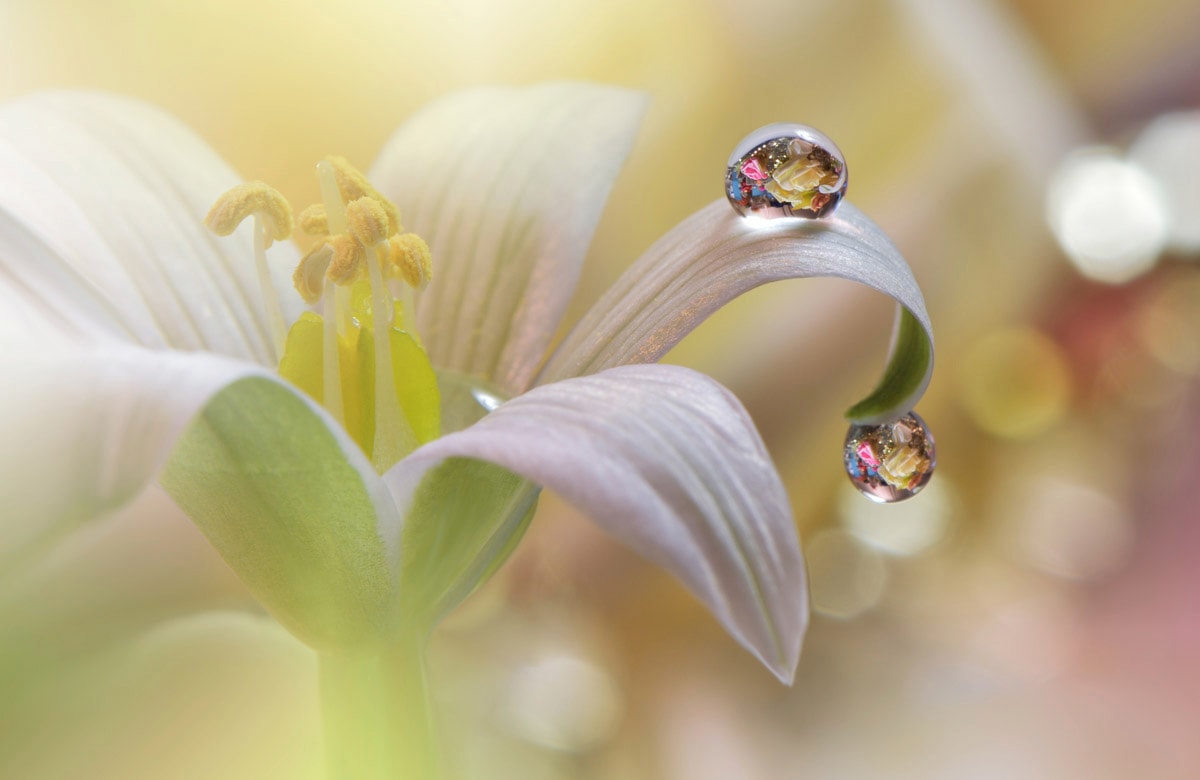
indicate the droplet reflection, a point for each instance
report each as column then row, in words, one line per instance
column 892, row 461
column 786, row 170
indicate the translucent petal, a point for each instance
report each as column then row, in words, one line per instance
column 114, row 191
column 714, row 256
column 507, row 186
column 668, row 462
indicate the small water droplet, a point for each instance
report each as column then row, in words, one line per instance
column 892, row 461
column 786, row 170
column 465, row 400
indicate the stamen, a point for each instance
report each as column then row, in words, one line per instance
column 331, row 369
column 347, row 258
column 272, row 222
column 335, row 209
column 309, row 277
column 352, row 185
column 252, row 198
column 394, row 437
column 368, row 221
column 313, row 220
column 411, row 259
column 270, row 296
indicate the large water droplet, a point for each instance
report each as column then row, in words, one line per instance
column 892, row 461
column 786, row 170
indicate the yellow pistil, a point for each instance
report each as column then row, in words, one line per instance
column 360, row 360
column 272, row 222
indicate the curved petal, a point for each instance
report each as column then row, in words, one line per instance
column 714, row 256
column 507, row 186
column 111, row 192
column 86, row 431
column 667, row 461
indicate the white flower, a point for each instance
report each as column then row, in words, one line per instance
column 134, row 341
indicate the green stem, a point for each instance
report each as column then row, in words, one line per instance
column 376, row 715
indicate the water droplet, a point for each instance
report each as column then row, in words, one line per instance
column 892, row 461
column 786, row 170
column 465, row 400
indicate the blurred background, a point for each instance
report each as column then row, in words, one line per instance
column 1034, row 613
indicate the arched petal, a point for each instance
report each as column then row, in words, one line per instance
column 667, row 461
column 507, row 186
column 110, row 193
column 714, row 256
column 280, row 490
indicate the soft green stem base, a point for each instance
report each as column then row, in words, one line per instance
column 376, row 717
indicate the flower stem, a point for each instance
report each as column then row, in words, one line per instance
column 376, row 716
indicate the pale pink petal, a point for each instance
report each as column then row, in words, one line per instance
column 507, row 186
column 714, row 256
column 667, row 461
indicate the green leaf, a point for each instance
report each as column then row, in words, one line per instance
column 904, row 375
column 466, row 518
column 295, row 509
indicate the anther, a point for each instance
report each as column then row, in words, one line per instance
column 251, row 199
column 314, row 221
column 309, row 277
column 347, row 259
column 367, row 220
column 352, row 185
column 411, row 259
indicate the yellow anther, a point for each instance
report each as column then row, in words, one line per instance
column 309, row 277
column 367, row 220
column 352, row 185
column 347, row 259
column 411, row 259
column 314, row 221
column 251, row 198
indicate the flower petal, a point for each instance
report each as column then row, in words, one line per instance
column 86, row 431
column 667, row 461
column 276, row 486
column 114, row 191
column 714, row 256
column 507, row 186
column 295, row 508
